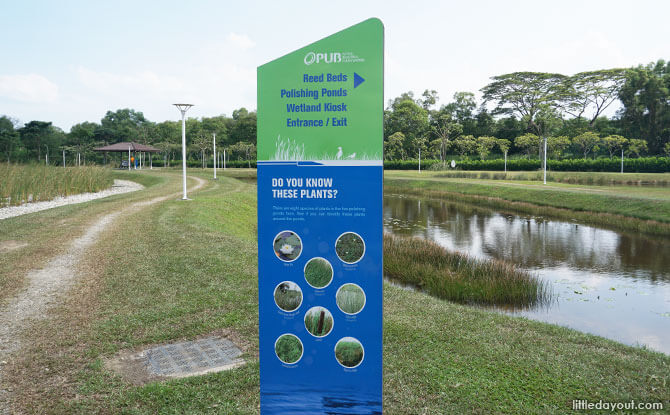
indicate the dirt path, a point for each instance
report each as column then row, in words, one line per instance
column 46, row 285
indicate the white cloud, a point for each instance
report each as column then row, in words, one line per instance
column 114, row 84
column 240, row 41
column 30, row 88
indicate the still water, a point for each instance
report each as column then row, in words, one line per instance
column 609, row 283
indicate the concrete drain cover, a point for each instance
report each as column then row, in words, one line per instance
column 194, row 357
column 178, row 360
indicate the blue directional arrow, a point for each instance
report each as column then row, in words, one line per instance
column 358, row 79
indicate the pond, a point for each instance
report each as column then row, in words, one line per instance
column 609, row 283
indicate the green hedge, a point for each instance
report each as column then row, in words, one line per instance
column 638, row 165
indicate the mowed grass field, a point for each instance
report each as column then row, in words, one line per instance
column 187, row 269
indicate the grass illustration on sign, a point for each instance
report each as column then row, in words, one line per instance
column 290, row 150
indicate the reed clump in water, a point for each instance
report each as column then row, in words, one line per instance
column 457, row 277
column 33, row 182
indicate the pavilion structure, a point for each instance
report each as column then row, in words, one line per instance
column 131, row 148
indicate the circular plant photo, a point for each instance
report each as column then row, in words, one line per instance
column 318, row 321
column 288, row 296
column 287, row 246
column 318, row 272
column 288, row 348
column 349, row 352
column 350, row 247
column 350, row 298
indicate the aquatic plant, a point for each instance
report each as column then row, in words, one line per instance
column 457, row 277
column 318, row 321
column 318, row 272
column 288, row 348
column 350, row 247
column 350, row 298
column 349, row 352
column 287, row 246
column 288, row 296
column 34, row 182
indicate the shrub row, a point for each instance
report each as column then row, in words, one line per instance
column 638, row 165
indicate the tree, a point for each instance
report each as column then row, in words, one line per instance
column 34, row 135
column 525, row 94
column 587, row 142
column 592, row 91
column 124, row 124
column 614, row 144
column 446, row 129
column 244, row 127
column 645, row 96
column 462, row 111
column 407, row 117
column 429, row 99
column 465, row 145
column 484, row 145
column 557, row 145
column 528, row 143
column 81, row 139
column 666, row 148
column 9, row 138
column 503, row 145
column 636, row 146
column 393, row 146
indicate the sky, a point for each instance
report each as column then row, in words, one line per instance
column 72, row 61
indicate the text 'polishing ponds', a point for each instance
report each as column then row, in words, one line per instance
column 320, row 146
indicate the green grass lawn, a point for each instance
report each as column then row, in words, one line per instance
column 190, row 269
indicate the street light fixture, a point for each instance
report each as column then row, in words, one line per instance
column 183, row 108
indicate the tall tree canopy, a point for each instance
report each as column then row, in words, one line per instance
column 525, row 94
column 646, row 104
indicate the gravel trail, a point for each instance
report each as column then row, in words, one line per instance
column 46, row 285
column 119, row 186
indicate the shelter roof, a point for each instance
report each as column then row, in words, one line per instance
column 125, row 146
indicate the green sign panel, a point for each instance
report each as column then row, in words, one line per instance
column 331, row 88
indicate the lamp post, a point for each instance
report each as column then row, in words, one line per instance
column 545, row 159
column 183, row 108
column 214, row 152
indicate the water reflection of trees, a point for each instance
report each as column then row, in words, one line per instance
column 530, row 242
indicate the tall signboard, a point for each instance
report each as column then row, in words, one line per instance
column 320, row 173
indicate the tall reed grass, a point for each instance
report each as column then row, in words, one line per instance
column 457, row 277
column 31, row 183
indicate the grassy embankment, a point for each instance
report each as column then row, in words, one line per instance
column 588, row 178
column 168, row 283
column 639, row 209
column 36, row 182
